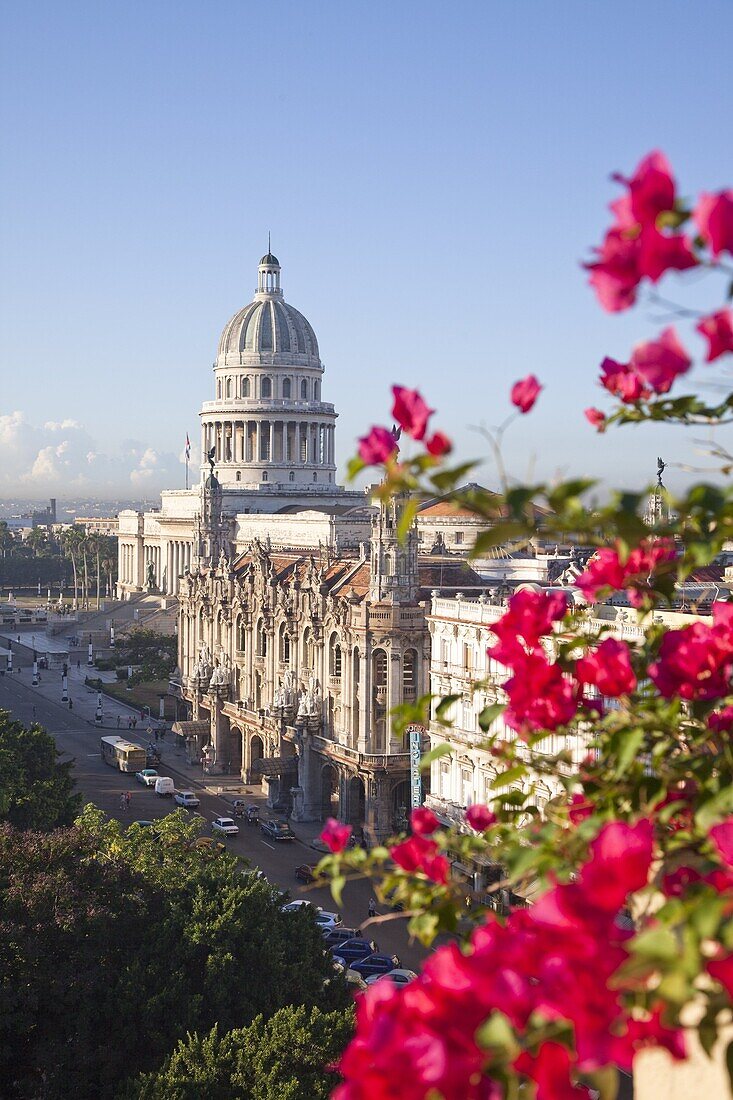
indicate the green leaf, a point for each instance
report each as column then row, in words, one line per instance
column 508, row 777
column 354, row 467
column 631, row 742
column 657, row 944
column 606, row 1082
column 337, row 885
column 435, row 754
column 497, row 1034
column 424, row 926
column 489, row 715
column 445, row 704
column 407, row 516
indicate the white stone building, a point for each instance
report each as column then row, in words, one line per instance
column 267, row 431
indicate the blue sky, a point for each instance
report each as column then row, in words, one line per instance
column 431, row 173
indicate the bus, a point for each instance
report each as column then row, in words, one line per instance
column 122, row 754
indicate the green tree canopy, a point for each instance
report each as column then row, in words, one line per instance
column 283, row 1058
column 36, row 791
column 117, row 943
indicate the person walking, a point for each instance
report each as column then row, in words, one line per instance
column 123, row 802
column 129, row 723
column 128, row 799
column 118, row 721
column 372, row 909
column 78, row 666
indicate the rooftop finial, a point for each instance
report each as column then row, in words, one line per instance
column 661, row 467
column 269, row 246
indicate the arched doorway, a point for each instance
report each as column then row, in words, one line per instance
column 400, row 805
column 256, row 752
column 356, row 807
column 235, row 750
column 329, row 791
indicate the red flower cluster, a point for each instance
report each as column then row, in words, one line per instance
column 412, row 415
column 608, row 668
column 653, row 367
column 557, row 959
column 540, row 695
column 335, row 835
column 696, row 661
column 525, row 392
column 718, row 331
column 420, row 854
column 714, row 217
column 635, row 247
column 605, row 570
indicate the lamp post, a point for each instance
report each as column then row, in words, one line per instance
column 34, row 681
column 10, row 660
column 98, row 712
column 112, row 634
column 90, row 652
column 64, row 688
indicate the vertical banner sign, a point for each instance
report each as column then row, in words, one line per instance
column 415, row 733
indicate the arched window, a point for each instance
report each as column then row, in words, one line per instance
column 218, row 389
column 239, row 475
column 244, row 384
column 286, row 387
column 304, row 389
column 241, row 636
column 284, row 644
column 261, row 646
column 266, row 387
column 409, row 675
column 229, row 387
column 315, row 476
column 308, row 649
column 292, row 476
column 334, row 657
column 316, row 391
column 264, row 475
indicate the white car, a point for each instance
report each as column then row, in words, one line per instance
column 399, row 977
column 147, row 777
column 324, row 919
column 224, row 825
column 187, row 799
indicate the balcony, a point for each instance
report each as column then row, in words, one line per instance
column 390, row 761
column 334, row 684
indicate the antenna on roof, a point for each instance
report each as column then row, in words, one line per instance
column 269, row 247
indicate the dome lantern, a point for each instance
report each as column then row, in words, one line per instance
column 268, row 273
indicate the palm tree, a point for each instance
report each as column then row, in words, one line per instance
column 71, row 542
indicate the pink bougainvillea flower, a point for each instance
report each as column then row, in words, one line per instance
column 438, row 445
column 595, row 417
column 620, row 380
column 651, row 189
column 722, row 837
column 423, row 822
column 530, row 615
column 335, row 835
column 480, row 817
column 608, row 668
column 418, row 853
column 659, row 362
column 620, row 857
column 717, row 329
column 696, row 661
column 659, row 253
column 722, row 970
column 410, row 411
column 615, row 274
column 541, row 697
column 377, row 447
column 714, row 217
column 604, row 570
column 550, row 1070
column 721, row 721
column 525, row 392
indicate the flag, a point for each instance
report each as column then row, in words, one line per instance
column 188, row 447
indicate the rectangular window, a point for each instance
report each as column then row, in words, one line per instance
column 459, row 537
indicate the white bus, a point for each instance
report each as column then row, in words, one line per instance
column 121, row 754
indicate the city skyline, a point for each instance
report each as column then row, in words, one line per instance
column 431, row 184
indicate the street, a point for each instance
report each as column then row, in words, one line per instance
column 103, row 785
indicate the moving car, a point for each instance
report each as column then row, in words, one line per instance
column 224, row 825
column 306, row 872
column 375, row 964
column 187, row 799
column 147, row 777
column 277, row 830
column 164, row 786
column 355, row 949
column 399, row 977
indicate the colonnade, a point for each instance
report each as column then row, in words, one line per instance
column 127, row 563
column 278, row 441
column 178, row 560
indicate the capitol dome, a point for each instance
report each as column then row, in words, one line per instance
column 268, row 329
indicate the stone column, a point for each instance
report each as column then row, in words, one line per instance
column 258, row 441
column 271, row 430
column 394, row 698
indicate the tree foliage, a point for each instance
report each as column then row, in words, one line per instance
column 283, row 1058
column 118, row 943
column 36, row 791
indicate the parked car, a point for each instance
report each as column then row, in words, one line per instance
column 300, row 903
column 147, row 777
column 326, row 919
column 352, row 978
column 187, row 799
column 164, row 786
column 224, row 825
column 375, row 964
column 356, row 948
column 399, row 977
column 334, row 937
column 306, row 872
column 277, row 830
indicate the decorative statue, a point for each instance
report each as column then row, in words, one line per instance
column 151, row 575
column 310, row 700
column 661, row 467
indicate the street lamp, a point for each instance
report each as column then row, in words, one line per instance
column 98, row 713
column 90, row 652
column 34, row 681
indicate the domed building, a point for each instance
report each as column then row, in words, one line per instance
column 271, row 440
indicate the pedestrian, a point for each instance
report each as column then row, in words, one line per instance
column 128, row 799
column 134, row 723
column 78, row 666
column 156, row 737
column 123, row 802
column 129, row 723
column 34, row 714
column 372, row 910
column 71, row 705
column 142, row 715
column 118, row 721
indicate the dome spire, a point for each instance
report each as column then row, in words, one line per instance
column 268, row 277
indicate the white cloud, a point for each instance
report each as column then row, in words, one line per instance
column 61, row 456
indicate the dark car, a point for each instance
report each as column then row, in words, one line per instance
column 375, row 964
column 306, row 872
column 356, row 948
column 334, row 937
column 277, row 830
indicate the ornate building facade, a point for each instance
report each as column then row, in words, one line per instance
column 291, row 664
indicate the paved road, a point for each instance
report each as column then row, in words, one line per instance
column 103, row 786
